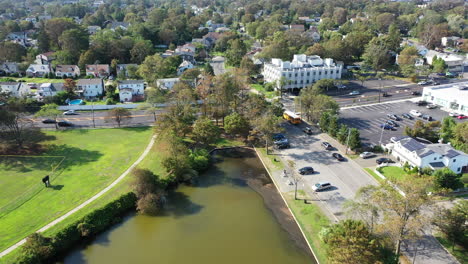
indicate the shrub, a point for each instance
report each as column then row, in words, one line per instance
column 269, row 87
column 446, row 178
column 199, row 159
column 110, row 101
column 37, row 249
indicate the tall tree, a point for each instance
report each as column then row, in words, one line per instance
column 236, row 124
column 119, row 115
column 354, row 139
column 236, row 51
column 453, row 223
column 15, row 125
column 267, row 124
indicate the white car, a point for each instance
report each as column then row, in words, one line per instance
column 366, row 155
column 415, row 113
column 454, row 114
column 354, row 93
column 70, row 112
column 321, row 186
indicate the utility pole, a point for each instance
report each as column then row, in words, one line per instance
column 347, row 141
column 381, row 134
column 92, row 109
column 380, row 89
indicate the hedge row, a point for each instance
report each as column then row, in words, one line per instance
column 48, row 249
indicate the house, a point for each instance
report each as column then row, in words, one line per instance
column 48, row 89
column 302, row 71
column 8, row 67
column 449, row 41
column 17, row 36
column 167, row 83
column 45, row 58
column 93, row 29
column 122, row 69
column 222, row 29
column 114, row 25
column 185, row 65
column 90, row 88
column 131, row 90
column 98, row 3
column 186, row 52
column 16, row 89
column 434, row 156
column 312, row 33
column 67, row 70
column 454, row 62
column 297, row 28
column 38, row 70
column 306, row 19
column 450, row 97
column 210, row 39
column 98, row 70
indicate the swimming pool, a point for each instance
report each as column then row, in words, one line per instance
column 76, row 102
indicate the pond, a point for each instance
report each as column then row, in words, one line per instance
column 221, row 219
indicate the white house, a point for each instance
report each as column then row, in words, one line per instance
column 45, row 58
column 48, row 89
column 434, row 156
column 167, row 83
column 89, row 88
column 9, row 67
column 185, row 65
column 449, row 41
column 67, row 70
column 303, row 71
column 38, row 70
column 454, row 62
column 16, row 89
column 131, row 90
column 450, row 97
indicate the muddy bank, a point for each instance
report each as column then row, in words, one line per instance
column 263, row 185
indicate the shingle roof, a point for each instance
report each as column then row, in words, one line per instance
column 132, row 82
column 89, row 81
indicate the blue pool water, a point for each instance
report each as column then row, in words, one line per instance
column 75, row 102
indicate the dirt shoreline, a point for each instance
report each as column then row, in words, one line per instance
column 263, row 185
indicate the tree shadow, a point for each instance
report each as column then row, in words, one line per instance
column 179, row 205
column 56, row 187
column 74, row 156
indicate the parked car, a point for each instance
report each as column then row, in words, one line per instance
column 307, row 130
column 431, row 106
column 385, row 94
column 387, row 127
column 415, row 93
column 454, row 114
column 394, row 117
column 354, row 93
column 366, row 155
column 415, row 113
column 420, row 103
column 49, row 121
column 327, row 145
column 392, row 123
column 422, row 83
column 283, row 145
column 383, row 160
column 70, row 112
column 306, row 170
column 407, row 116
column 64, row 124
column 462, row 116
column 427, row 117
column 278, row 136
column 321, row 186
column 281, row 141
column 338, row 156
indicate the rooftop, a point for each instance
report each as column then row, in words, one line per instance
column 454, row 92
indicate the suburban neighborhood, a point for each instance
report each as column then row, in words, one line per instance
column 230, row 131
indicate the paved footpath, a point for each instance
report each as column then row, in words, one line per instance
column 90, row 200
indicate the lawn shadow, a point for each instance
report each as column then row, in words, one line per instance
column 57, row 187
column 136, row 129
column 74, row 156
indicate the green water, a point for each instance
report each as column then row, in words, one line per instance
column 220, row 220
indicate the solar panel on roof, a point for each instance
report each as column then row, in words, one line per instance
column 451, row 153
column 413, row 145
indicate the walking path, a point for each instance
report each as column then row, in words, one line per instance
column 90, row 200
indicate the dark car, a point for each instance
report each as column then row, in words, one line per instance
column 327, row 145
column 394, row 117
column 306, row 170
column 383, row 160
column 278, row 136
column 387, row 127
column 64, row 124
column 307, row 130
column 421, row 103
column 385, row 94
column 408, row 116
column 284, row 145
column 415, row 93
column 338, row 156
column 392, row 123
column 49, row 121
column 427, row 117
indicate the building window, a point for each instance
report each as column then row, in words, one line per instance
column 458, row 169
column 454, row 160
column 308, row 73
column 326, row 72
column 435, row 158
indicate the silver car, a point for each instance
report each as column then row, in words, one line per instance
column 366, row 155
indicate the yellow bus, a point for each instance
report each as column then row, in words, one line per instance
column 292, row 117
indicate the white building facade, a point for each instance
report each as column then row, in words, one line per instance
column 167, row 83
column 131, row 90
column 450, row 97
column 90, row 88
column 302, row 71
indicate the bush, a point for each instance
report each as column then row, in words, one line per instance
column 446, row 178
column 199, row 159
column 269, row 87
column 37, row 249
column 110, row 101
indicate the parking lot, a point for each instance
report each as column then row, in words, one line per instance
column 369, row 118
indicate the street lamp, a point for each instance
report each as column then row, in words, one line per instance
column 347, row 141
column 92, row 110
column 381, row 134
column 380, row 89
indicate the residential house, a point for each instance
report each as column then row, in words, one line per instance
column 122, row 69
column 67, row 70
column 186, row 52
column 297, row 28
column 48, row 89
column 98, row 3
column 114, row 25
column 93, row 29
column 16, row 89
column 8, row 67
column 38, row 70
column 210, row 39
column 90, row 88
column 167, row 83
column 454, row 62
column 20, row 36
column 450, row 41
column 185, row 65
column 131, row 90
column 98, row 70
column 306, row 19
column 222, row 29
column 434, row 156
column 45, row 58
column 302, row 71
column 312, row 33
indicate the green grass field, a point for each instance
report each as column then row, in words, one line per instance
column 262, row 90
column 394, row 174
column 93, row 159
column 38, row 80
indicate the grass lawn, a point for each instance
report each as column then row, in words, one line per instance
column 262, row 90
column 272, row 164
column 93, row 159
column 458, row 252
column 39, row 80
column 393, row 173
column 371, row 172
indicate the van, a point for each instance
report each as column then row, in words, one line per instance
column 321, row 186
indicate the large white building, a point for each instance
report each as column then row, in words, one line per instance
column 434, row 156
column 131, row 90
column 450, row 97
column 90, row 88
column 302, row 71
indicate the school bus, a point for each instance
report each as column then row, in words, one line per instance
column 292, row 117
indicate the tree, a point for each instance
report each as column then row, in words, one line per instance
column 431, row 34
column 316, row 49
column 447, row 129
column 176, row 159
column 384, row 20
column 15, row 125
column 248, row 65
column 354, row 139
column 438, row 64
column 236, row 124
column 446, row 178
column 343, row 133
column 141, row 49
column 74, row 41
column 267, row 124
column 50, row 111
column 332, row 128
column 10, row 51
column 37, row 249
column 149, row 191
column 460, row 139
column 362, row 78
column 377, row 55
column 190, row 74
column 205, row 132
column 119, row 115
column 323, row 85
column 350, row 241
column 235, row 52
column 55, row 27
column 408, row 56
column 313, row 104
column 70, row 86
column 324, row 121
column 453, row 223
column 428, row 130
column 154, row 97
